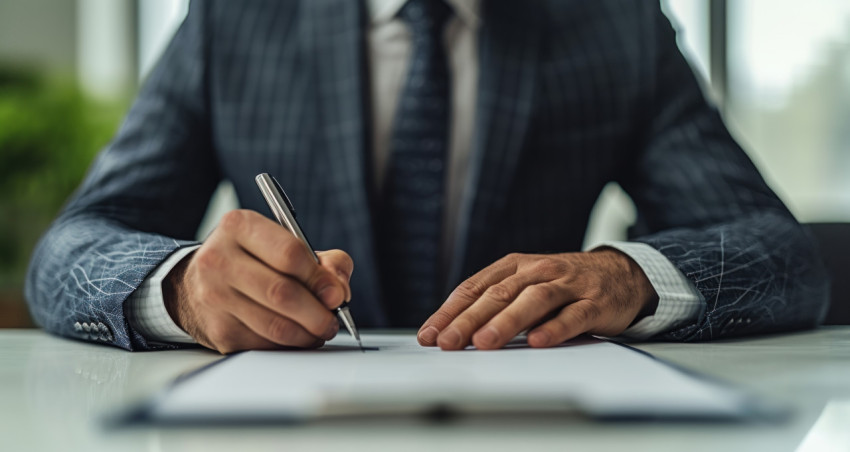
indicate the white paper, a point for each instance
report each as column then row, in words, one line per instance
column 595, row 377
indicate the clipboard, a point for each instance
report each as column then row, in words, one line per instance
column 588, row 376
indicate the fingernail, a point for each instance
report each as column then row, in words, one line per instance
column 487, row 337
column 429, row 335
column 331, row 331
column 329, row 294
column 450, row 339
column 539, row 339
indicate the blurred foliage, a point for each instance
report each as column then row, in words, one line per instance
column 49, row 133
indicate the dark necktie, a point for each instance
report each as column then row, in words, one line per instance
column 412, row 201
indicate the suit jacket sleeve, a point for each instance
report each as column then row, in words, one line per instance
column 143, row 198
column 704, row 206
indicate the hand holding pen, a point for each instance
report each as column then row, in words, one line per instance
column 284, row 212
column 254, row 285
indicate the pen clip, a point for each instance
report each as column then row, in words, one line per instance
column 281, row 207
column 284, row 196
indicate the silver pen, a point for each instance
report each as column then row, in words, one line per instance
column 285, row 214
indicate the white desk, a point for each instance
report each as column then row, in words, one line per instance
column 53, row 392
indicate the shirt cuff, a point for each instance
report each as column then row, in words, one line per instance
column 678, row 300
column 146, row 310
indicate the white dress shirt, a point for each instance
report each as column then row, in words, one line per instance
column 389, row 48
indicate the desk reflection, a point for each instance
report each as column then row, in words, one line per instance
column 831, row 431
column 71, row 390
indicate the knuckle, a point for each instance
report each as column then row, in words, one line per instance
column 512, row 257
column 499, row 293
column 469, row 289
column 234, row 220
column 550, row 266
column 280, row 292
column 348, row 262
column 209, row 258
column 586, row 313
column 291, row 251
column 279, row 330
column 441, row 318
column 321, row 280
column 594, row 291
column 541, row 292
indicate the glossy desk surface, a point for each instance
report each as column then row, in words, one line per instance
column 54, row 393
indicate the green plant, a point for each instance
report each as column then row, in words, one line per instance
column 49, row 133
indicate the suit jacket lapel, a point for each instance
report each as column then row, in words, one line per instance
column 508, row 52
column 336, row 40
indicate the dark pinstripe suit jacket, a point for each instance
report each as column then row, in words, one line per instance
column 572, row 95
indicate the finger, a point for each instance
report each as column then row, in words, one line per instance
column 282, row 251
column 574, row 319
column 341, row 264
column 533, row 304
column 228, row 335
column 269, row 242
column 281, row 294
column 497, row 297
column 277, row 328
column 462, row 297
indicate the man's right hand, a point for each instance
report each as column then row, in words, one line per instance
column 254, row 285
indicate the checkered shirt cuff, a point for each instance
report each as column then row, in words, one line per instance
column 678, row 300
column 146, row 307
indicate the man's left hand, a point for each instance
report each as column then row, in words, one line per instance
column 556, row 296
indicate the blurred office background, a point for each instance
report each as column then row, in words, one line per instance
column 779, row 71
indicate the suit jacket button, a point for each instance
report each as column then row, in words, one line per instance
column 105, row 332
column 78, row 327
column 86, row 327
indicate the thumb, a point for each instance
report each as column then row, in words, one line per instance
column 340, row 264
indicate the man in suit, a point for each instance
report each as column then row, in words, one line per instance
column 453, row 150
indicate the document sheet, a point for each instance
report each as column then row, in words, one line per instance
column 396, row 375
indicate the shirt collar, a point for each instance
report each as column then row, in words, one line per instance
column 382, row 11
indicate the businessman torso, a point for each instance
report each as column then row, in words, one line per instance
column 560, row 97
column 571, row 95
